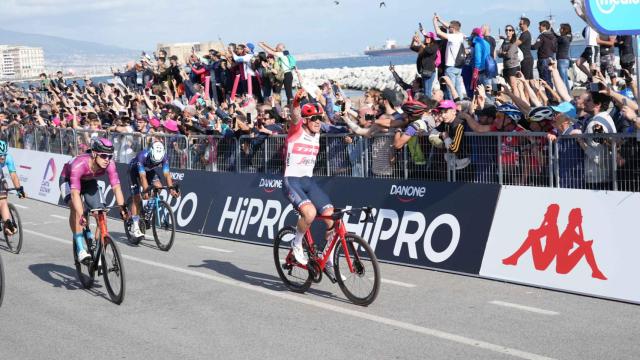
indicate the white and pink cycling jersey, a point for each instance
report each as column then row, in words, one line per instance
column 302, row 151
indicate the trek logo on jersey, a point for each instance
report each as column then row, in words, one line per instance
column 305, row 149
column 567, row 248
column 408, row 193
column 270, row 185
column 49, row 175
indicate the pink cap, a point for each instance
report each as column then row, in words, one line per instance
column 69, row 117
column 56, row 121
column 154, row 122
column 477, row 32
column 171, row 125
column 447, row 104
column 431, row 35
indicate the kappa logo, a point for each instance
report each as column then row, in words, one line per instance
column 408, row 193
column 567, row 248
column 50, row 170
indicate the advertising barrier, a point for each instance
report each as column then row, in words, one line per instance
column 572, row 240
column 39, row 173
column 433, row 225
column 416, row 223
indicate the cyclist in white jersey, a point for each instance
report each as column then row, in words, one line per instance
column 303, row 145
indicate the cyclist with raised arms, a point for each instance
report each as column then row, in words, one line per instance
column 78, row 177
column 6, row 160
column 302, row 145
column 142, row 172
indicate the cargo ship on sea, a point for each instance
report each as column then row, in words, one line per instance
column 390, row 48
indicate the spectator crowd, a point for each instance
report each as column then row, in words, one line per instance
column 465, row 116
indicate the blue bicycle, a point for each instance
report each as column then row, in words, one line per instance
column 156, row 215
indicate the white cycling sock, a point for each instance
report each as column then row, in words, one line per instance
column 297, row 241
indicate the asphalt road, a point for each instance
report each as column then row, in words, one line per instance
column 212, row 298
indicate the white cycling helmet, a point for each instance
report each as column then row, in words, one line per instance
column 156, row 152
column 541, row 113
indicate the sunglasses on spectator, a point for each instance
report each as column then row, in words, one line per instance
column 509, row 30
column 104, row 156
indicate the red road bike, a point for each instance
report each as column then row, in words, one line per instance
column 354, row 263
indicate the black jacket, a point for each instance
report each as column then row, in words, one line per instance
column 547, row 45
column 426, row 57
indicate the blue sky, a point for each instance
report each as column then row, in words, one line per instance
column 306, row 26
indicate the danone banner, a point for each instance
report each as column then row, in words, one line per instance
column 573, row 240
column 39, row 173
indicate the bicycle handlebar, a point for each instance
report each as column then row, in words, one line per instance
column 150, row 189
column 339, row 213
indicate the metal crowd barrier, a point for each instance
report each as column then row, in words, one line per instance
column 599, row 162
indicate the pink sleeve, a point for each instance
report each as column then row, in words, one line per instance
column 113, row 174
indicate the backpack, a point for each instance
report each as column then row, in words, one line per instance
column 279, row 71
column 461, row 57
column 292, row 61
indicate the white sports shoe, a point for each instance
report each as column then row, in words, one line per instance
column 299, row 254
column 136, row 230
column 328, row 269
column 83, row 256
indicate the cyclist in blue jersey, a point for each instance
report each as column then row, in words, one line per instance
column 7, row 160
column 142, row 173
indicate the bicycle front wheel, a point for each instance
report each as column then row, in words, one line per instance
column 163, row 225
column 360, row 282
column 113, row 271
column 85, row 273
column 295, row 277
column 14, row 242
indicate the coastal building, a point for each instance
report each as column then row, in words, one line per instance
column 183, row 50
column 19, row 62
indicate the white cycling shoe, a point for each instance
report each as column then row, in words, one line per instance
column 84, row 257
column 328, row 269
column 137, row 233
column 299, row 254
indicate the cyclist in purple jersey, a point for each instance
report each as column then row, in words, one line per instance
column 78, row 178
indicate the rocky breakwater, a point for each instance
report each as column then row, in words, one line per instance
column 363, row 78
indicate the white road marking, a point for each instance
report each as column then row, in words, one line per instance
column 397, row 283
column 337, row 309
column 523, row 307
column 59, row 217
column 20, row 206
column 262, row 279
column 215, row 249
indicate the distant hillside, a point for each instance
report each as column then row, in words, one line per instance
column 57, row 48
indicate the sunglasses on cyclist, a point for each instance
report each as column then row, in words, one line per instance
column 315, row 118
column 105, row 156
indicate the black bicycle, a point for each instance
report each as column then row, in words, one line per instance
column 14, row 242
column 156, row 215
column 105, row 258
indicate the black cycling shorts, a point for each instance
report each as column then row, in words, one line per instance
column 134, row 179
column 303, row 190
column 89, row 190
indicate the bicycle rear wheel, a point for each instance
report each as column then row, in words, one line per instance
column 1, row 281
column 85, row 273
column 129, row 223
column 362, row 284
column 14, row 242
column 113, row 271
column 295, row 277
column 163, row 225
